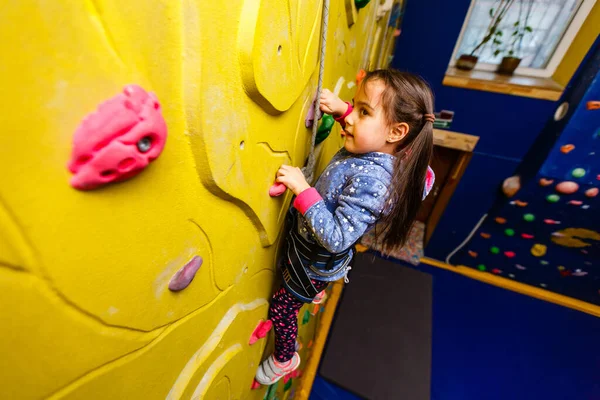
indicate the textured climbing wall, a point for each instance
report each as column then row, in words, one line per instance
column 84, row 274
column 548, row 234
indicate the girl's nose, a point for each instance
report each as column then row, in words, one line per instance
column 349, row 120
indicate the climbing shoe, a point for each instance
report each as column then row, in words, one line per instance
column 271, row 370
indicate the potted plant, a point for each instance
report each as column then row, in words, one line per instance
column 521, row 27
column 468, row 61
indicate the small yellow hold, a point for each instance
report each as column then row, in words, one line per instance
column 561, row 268
column 538, row 250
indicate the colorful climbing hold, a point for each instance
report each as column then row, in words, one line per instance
column 567, row 148
column 511, row 186
column 117, row 141
column 255, row 385
column 585, row 206
column 361, row 3
column 543, row 285
column 287, row 385
column 509, row 232
column 485, row 235
column 472, row 253
column 500, row 220
column 261, row 331
column 551, row 222
column 553, row 198
column 575, row 202
column 509, row 254
column 185, row 275
column 277, row 189
column 529, row 217
column 306, row 317
column 310, row 344
column 593, row 192
column 324, row 128
column 526, row 236
column 511, row 275
column 567, row 187
column 538, row 250
column 544, row 262
column 598, row 177
column 578, row 173
column 494, row 250
column 592, row 105
column 496, row 271
column 519, row 266
column 287, row 378
column 564, row 272
column 579, row 272
column 561, row 268
column 546, row 182
column 520, row 203
column 481, row 267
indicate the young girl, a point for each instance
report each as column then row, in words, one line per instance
column 380, row 176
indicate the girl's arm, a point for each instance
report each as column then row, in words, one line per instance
column 359, row 206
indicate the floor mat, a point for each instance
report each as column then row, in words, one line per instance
column 380, row 343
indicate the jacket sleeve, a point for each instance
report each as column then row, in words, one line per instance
column 359, row 206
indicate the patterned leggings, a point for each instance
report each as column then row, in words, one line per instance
column 284, row 314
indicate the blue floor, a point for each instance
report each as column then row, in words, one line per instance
column 494, row 344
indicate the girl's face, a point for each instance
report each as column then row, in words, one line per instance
column 367, row 129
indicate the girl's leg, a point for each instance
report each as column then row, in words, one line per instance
column 284, row 314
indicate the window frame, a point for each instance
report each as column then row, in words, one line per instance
column 558, row 55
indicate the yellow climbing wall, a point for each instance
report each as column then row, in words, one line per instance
column 85, row 309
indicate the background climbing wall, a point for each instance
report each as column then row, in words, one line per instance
column 86, row 310
column 547, row 235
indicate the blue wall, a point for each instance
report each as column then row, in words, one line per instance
column 507, row 125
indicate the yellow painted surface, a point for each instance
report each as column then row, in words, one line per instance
column 588, row 32
column 86, row 311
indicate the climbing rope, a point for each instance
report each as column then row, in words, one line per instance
column 309, row 169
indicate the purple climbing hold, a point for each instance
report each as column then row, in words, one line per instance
column 185, row 275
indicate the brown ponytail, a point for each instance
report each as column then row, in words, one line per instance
column 406, row 98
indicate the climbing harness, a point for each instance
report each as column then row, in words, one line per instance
column 295, row 277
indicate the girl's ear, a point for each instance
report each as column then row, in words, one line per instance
column 398, row 132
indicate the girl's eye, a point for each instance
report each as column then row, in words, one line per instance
column 364, row 112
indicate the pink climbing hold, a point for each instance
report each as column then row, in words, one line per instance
column 526, row 236
column 287, row 378
column 277, row 189
column 509, row 254
column 185, row 275
column 118, row 140
column 576, row 202
column 261, row 331
column 592, row 192
column 255, row 385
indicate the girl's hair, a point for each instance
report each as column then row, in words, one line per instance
column 406, row 98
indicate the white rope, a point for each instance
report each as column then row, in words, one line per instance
column 460, row 246
column 309, row 169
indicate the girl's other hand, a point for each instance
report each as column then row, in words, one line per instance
column 331, row 104
column 293, row 178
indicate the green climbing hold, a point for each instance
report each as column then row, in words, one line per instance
column 306, row 317
column 288, row 385
column 494, row 250
column 578, row 173
column 481, row 267
column 324, row 130
column 553, row 198
column 529, row 217
column 361, row 3
column 509, row 232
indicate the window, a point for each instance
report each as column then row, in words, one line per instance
column 551, row 26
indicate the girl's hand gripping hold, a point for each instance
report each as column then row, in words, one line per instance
column 331, row 104
column 293, row 178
